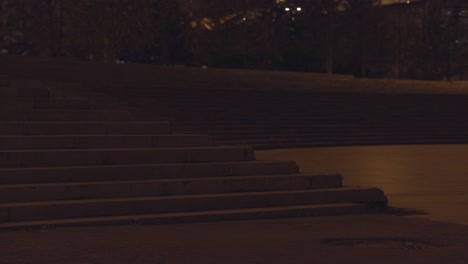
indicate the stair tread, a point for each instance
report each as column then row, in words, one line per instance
column 141, row 165
column 102, row 135
column 174, row 197
column 134, row 218
column 85, row 122
column 126, row 149
column 27, row 111
column 163, row 180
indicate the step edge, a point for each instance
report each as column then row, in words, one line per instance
column 142, row 218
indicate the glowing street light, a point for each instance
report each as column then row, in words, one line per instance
column 287, row 9
column 299, row 9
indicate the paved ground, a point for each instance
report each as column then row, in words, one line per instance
column 382, row 239
column 431, row 178
column 213, row 78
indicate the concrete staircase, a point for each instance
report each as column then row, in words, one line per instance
column 275, row 119
column 88, row 159
column 262, row 109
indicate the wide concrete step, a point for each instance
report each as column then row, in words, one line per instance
column 48, row 210
column 355, row 143
column 78, row 104
column 102, row 141
column 81, row 157
column 218, row 120
column 198, row 216
column 35, row 88
column 337, row 138
column 341, row 135
column 260, row 126
column 214, row 118
column 13, row 193
column 261, row 132
column 227, row 134
column 30, row 92
column 61, row 104
column 144, row 172
column 44, row 103
column 83, row 128
column 4, row 81
column 67, row 115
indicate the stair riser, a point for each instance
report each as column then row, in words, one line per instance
column 166, row 205
column 83, row 128
column 121, row 173
column 17, row 143
column 38, row 158
column 13, row 194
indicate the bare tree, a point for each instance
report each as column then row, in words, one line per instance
column 363, row 19
column 104, row 29
column 324, row 18
column 441, row 38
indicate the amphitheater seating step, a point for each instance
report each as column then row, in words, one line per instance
column 25, row 142
column 115, row 156
column 144, row 171
column 197, row 216
column 89, row 159
column 43, row 210
column 158, row 187
column 84, row 128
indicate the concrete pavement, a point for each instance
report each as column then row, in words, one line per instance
column 431, row 178
column 382, row 239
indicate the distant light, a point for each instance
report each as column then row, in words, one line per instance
column 287, row 9
column 408, row 1
column 299, row 9
column 244, row 18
